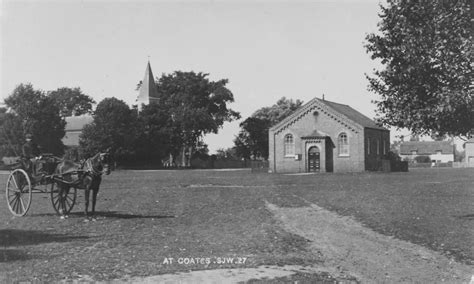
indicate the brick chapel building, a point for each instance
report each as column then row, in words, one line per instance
column 324, row 136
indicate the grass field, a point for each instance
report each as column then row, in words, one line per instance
column 147, row 216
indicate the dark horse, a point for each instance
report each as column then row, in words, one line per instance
column 87, row 176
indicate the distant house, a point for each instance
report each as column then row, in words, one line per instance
column 324, row 136
column 147, row 94
column 438, row 151
column 74, row 126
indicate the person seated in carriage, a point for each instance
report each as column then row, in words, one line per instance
column 32, row 155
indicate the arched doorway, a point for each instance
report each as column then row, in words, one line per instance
column 314, row 159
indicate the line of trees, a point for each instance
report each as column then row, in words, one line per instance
column 41, row 114
column 189, row 105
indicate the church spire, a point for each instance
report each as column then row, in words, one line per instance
column 147, row 91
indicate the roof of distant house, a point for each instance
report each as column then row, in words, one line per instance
column 76, row 123
column 426, row 147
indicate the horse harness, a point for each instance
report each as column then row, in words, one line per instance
column 90, row 169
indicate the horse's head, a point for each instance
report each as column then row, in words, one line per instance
column 105, row 161
column 99, row 164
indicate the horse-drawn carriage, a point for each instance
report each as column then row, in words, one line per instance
column 59, row 178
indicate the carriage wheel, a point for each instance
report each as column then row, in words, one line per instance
column 19, row 192
column 63, row 200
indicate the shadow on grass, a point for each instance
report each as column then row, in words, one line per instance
column 7, row 255
column 110, row 214
column 122, row 215
column 14, row 237
column 467, row 216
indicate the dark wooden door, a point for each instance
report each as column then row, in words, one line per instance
column 314, row 161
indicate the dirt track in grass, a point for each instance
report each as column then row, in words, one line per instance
column 349, row 251
column 145, row 217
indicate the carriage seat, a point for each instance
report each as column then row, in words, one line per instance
column 48, row 164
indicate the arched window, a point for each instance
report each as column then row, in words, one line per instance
column 289, row 145
column 343, row 144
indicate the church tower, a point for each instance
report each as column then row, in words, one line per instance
column 147, row 92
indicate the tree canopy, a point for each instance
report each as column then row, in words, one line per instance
column 189, row 106
column 156, row 135
column 194, row 105
column 71, row 101
column 114, row 127
column 40, row 117
column 425, row 48
column 11, row 134
column 279, row 111
column 252, row 139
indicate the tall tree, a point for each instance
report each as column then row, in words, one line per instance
column 71, row 101
column 40, row 117
column 426, row 50
column 114, row 127
column 156, row 136
column 196, row 106
column 252, row 139
column 279, row 111
column 11, row 134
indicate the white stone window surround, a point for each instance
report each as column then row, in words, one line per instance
column 289, row 145
column 347, row 152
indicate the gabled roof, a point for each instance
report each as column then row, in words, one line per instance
column 76, row 123
column 426, row 147
column 353, row 115
column 344, row 112
column 147, row 89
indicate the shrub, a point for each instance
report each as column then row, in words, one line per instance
column 423, row 159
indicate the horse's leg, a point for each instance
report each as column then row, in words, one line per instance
column 86, row 206
column 94, row 199
column 63, row 191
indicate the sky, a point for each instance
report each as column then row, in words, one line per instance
column 266, row 49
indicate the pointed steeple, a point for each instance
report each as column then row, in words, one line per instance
column 147, row 92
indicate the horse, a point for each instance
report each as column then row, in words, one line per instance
column 87, row 176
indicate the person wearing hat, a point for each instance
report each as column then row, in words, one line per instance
column 32, row 153
column 30, row 149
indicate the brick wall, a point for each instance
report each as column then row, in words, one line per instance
column 304, row 126
column 376, row 146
